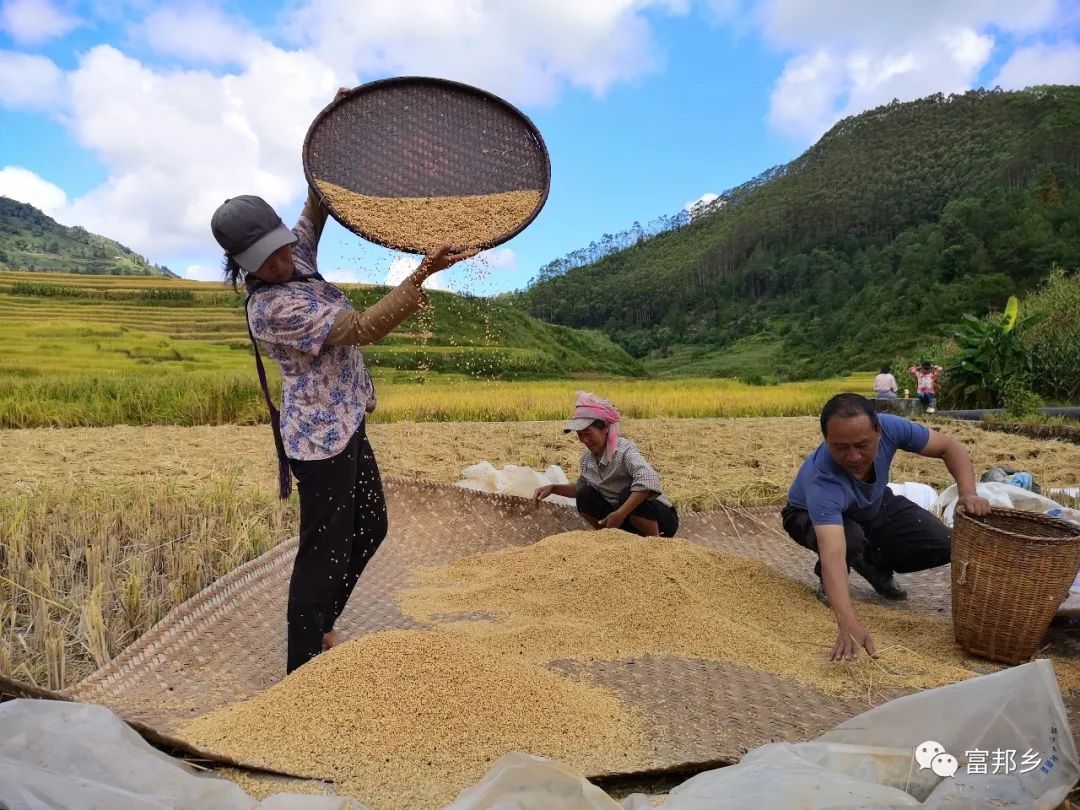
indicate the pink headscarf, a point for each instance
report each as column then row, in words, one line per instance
column 590, row 406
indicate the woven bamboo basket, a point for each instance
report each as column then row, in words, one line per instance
column 398, row 160
column 1010, row 572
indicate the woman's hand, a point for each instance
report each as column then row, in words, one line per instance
column 613, row 521
column 442, row 258
column 542, row 492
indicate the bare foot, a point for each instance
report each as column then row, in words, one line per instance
column 332, row 639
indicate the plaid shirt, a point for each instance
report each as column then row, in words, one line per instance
column 628, row 468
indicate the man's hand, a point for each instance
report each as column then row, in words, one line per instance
column 850, row 638
column 613, row 521
column 973, row 504
column 958, row 461
column 543, row 492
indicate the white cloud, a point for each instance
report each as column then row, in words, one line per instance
column 817, row 89
column 860, row 55
column 203, row 272
column 31, row 22
column 399, row 270
column 1041, row 64
column 806, row 24
column 176, row 141
column 522, row 49
column 481, row 273
column 344, row 275
column 199, row 33
column 176, row 144
column 704, row 199
column 402, row 267
column 30, row 82
column 703, row 204
column 25, row 186
column 501, row 258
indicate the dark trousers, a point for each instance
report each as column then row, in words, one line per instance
column 342, row 523
column 901, row 538
column 926, row 398
column 591, row 502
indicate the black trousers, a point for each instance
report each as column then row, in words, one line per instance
column 592, row 503
column 342, row 523
column 901, row 538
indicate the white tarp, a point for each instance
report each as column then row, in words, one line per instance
column 77, row 756
column 922, row 495
column 522, row 782
column 1007, row 496
column 513, row 480
column 868, row 762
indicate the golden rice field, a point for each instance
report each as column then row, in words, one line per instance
column 103, row 530
column 106, row 350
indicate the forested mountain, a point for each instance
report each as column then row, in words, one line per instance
column 30, row 240
column 897, row 221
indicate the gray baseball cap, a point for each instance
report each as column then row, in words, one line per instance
column 577, row 424
column 249, row 230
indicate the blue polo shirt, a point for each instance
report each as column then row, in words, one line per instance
column 830, row 494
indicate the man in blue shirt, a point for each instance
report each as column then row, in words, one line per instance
column 841, row 507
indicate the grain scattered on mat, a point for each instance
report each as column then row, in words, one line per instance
column 426, row 223
column 610, row 595
column 406, row 719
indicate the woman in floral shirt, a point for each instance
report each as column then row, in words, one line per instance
column 310, row 329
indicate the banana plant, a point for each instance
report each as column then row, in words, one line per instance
column 991, row 357
column 1012, row 310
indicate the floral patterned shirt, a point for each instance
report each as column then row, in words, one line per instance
column 325, row 390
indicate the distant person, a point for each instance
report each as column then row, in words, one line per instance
column 617, row 488
column 926, row 374
column 885, row 384
column 309, row 327
column 840, row 506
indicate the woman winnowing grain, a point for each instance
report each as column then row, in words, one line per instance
column 616, row 488
column 309, row 327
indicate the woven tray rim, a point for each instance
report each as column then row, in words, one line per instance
column 1031, row 517
column 449, row 84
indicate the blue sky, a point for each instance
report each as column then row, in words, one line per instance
column 135, row 118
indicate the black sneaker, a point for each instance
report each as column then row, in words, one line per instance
column 887, row 587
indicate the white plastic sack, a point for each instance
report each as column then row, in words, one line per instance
column 922, row 495
column 76, row 756
column 869, row 761
column 513, row 480
column 525, row 782
column 1006, row 496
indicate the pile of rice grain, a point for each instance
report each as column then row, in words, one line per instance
column 406, row 719
column 427, row 223
column 611, row 595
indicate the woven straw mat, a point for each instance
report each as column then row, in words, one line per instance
column 227, row 643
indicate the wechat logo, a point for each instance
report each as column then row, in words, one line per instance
column 932, row 755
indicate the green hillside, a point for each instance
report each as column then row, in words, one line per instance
column 30, row 240
column 897, row 221
column 59, row 323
